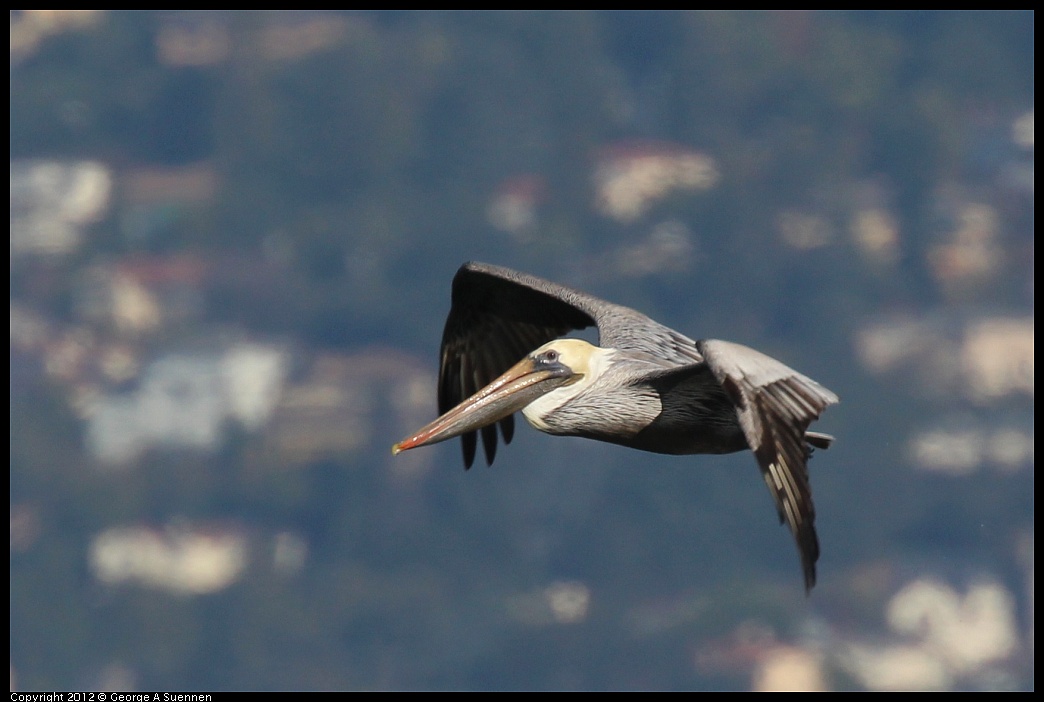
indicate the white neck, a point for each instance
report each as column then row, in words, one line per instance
column 538, row 409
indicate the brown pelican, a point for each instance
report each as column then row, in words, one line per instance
column 647, row 386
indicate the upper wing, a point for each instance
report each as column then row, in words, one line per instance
column 499, row 315
column 775, row 405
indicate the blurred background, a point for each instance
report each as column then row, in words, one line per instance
column 232, row 241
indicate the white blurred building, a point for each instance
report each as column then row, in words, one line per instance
column 629, row 177
column 182, row 559
column 52, row 203
column 187, row 400
column 944, row 637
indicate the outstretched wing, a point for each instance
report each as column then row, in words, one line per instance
column 775, row 405
column 499, row 315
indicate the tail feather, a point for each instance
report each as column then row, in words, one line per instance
column 818, row 440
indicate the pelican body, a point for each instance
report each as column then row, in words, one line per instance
column 646, row 386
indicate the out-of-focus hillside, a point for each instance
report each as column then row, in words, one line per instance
column 232, row 240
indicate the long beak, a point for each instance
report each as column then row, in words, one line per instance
column 520, row 385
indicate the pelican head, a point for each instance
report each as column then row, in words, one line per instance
column 545, row 377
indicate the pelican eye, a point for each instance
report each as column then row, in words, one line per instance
column 550, row 356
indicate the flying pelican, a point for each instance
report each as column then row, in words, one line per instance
column 647, row 386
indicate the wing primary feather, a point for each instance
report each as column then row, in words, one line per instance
column 489, row 442
column 467, row 444
column 507, row 428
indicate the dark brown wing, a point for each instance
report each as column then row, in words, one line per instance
column 499, row 315
column 775, row 405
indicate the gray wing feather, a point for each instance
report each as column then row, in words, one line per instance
column 775, row 405
column 499, row 315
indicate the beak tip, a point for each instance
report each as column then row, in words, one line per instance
column 396, row 449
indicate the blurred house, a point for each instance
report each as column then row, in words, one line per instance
column 773, row 666
column 195, row 38
column 873, row 223
column 944, row 640
column 561, row 602
column 979, row 362
column 631, row 176
column 53, row 203
column 966, row 446
column 1022, row 131
column 865, row 204
column 184, row 559
column 514, row 205
column 804, row 230
column 30, row 27
column 669, row 246
column 982, row 359
column 72, row 355
column 335, row 407
column 783, row 668
column 29, row 328
column 25, row 526
column 937, row 637
column 969, row 252
column 193, row 183
column 138, row 295
column 187, row 399
column 322, row 414
column 154, row 199
column 876, row 233
column 997, row 358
